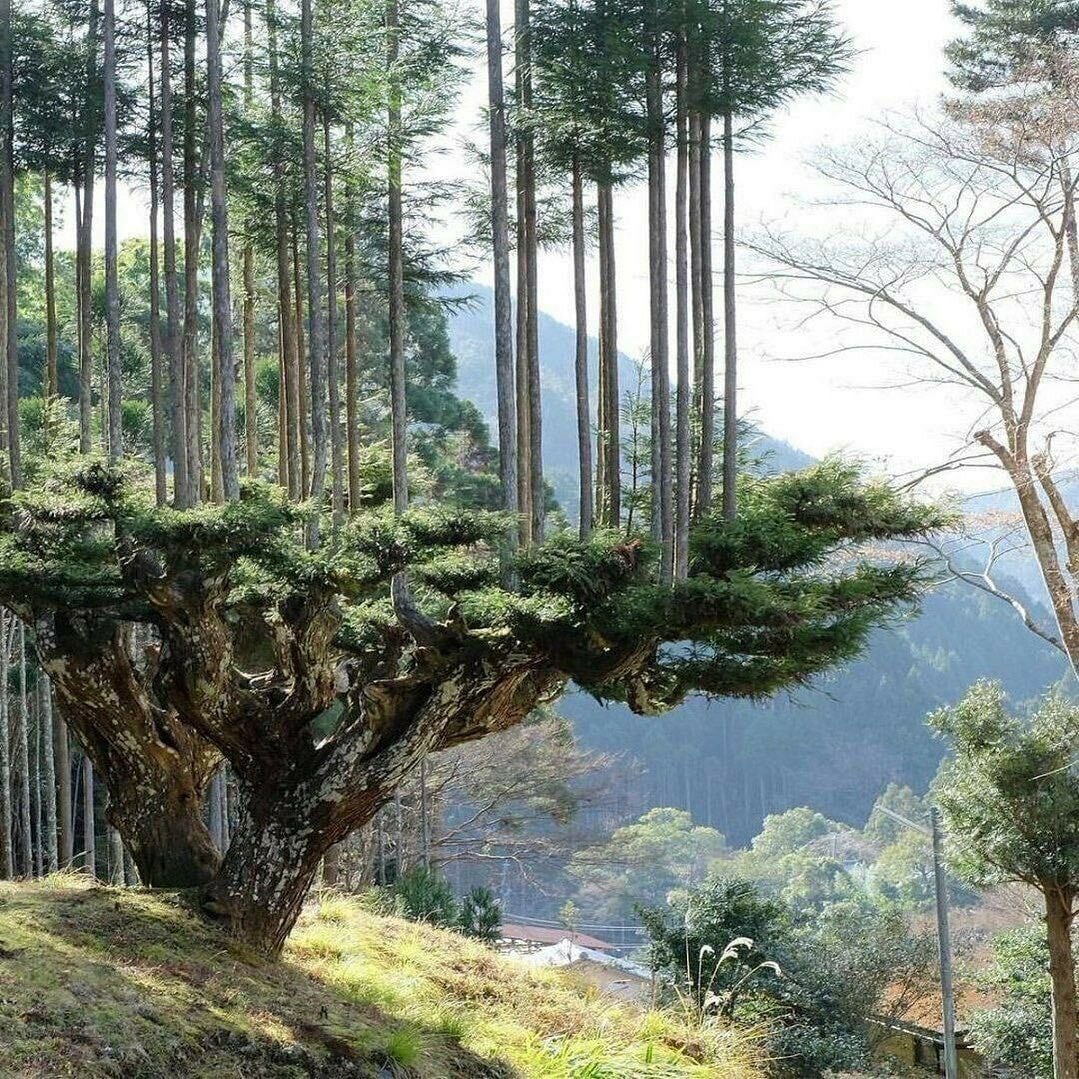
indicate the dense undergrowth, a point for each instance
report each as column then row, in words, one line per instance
column 96, row 981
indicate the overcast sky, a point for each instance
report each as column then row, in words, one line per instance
column 821, row 405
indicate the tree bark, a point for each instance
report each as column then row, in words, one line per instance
column 225, row 450
column 52, row 374
column 303, row 415
column 708, row 367
column 352, row 373
column 316, row 341
column 192, row 387
column 48, row 778
column 289, row 401
column 500, row 250
column 7, row 191
column 116, row 858
column 65, row 820
column 580, row 365
column 662, row 510
column 155, row 772
column 21, row 765
column 112, row 286
column 398, row 402
column 1058, row 918
column 612, row 450
column 89, row 832
column 337, row 452
column 35, row 791
column 730, row 335
column 7, row 853
column 537, row 508
column 173, row 344
column 85, row 227
column 251, row 437
column 156, row 380
column 683, row 403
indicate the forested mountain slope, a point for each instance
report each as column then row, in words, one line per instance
column 834, row 747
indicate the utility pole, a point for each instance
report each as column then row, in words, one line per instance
column 944, row 938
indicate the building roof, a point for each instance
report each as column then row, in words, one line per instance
column 568, row 952
column 541, row 934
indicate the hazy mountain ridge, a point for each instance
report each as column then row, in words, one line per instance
column 470, row 331
column 833, row 747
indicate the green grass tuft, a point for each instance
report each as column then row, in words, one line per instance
column 96, row 981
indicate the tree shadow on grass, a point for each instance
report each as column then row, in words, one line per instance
column 94, row 981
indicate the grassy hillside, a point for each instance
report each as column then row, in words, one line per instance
column 97, row 981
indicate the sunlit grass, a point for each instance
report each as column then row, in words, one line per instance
column 105, row 981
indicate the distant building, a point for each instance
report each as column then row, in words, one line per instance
column 614, row 977
column 522, row 939
column 923, row 1046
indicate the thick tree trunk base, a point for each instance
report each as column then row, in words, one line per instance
column 168, row 841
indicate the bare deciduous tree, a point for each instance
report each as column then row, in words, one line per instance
column 982, row 203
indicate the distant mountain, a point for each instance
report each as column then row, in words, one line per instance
column 834, row 747
column 471, row 338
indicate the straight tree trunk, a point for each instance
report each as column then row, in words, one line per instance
column 7, row 189
column 536, row 497
column 3, row 325
column 289, row 401
column 730, row 336
column 156, row 379
column 500, row 250
column 21, row 765
column 683, row 403
column 523, row 367
column 521, row 371
column 282, row 411
column 225, row 450
column 173, row 343
column 662, row 510
column 609, row 337
column 35, row 794
column 303, row 414
column 65, row 820
column 48, row 776
column 7, row 853
column 217, row 483
column 398, row 403
column 1058, row 918
column 85, row 226
column 580, row 364
column 708, row 367
column 192, row 388
column 89, row 834
column 116, row 858
column 352, row 374
column 52, row 375
column 112, row 286
column 251, row 437
column 315, row 335
column 337, row 450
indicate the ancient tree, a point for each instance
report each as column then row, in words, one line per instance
column 176, row 638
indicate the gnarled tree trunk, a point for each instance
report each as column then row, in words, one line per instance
column 299, row 804
column 154, row 767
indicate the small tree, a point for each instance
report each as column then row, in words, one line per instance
column 1010, row 799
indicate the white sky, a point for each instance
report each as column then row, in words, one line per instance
column 817, row 406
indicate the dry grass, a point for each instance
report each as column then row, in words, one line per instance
column 102, row 982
